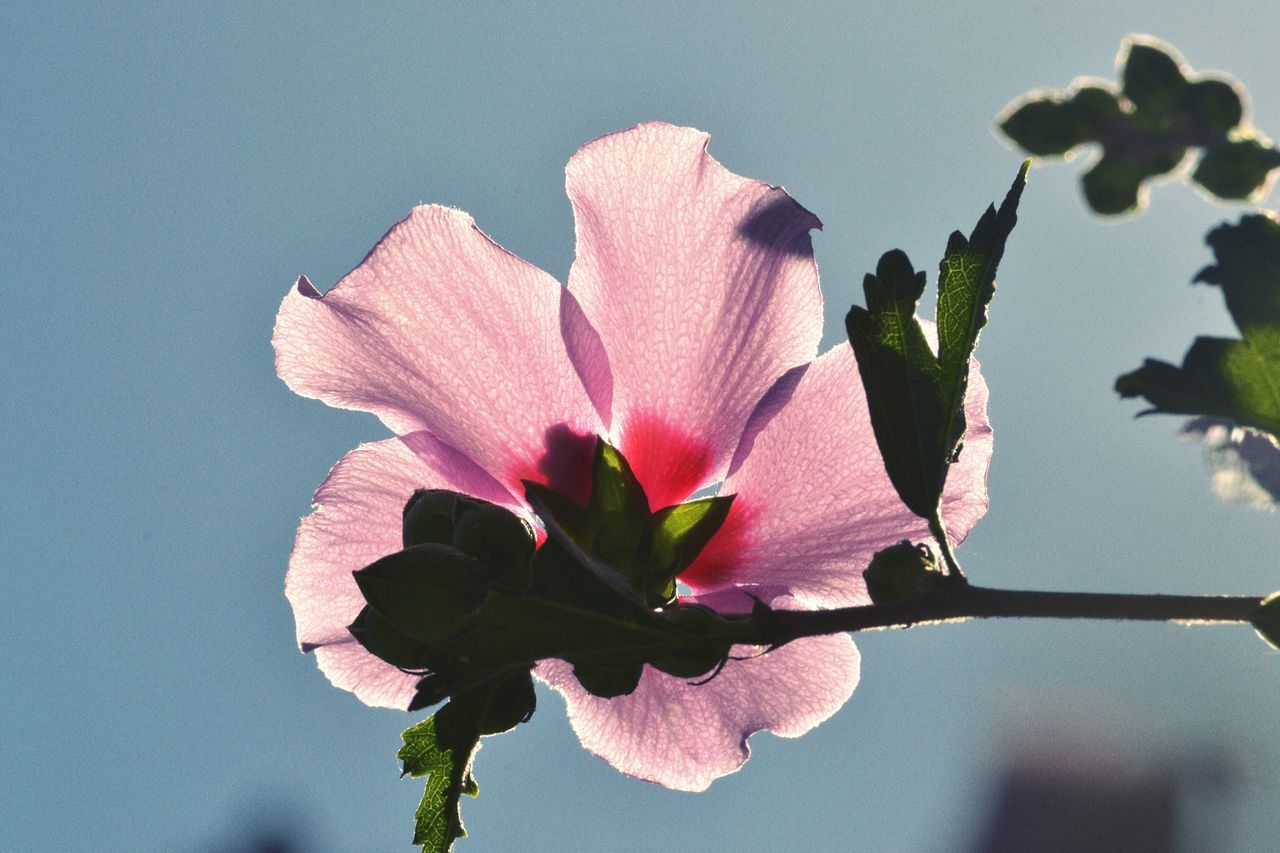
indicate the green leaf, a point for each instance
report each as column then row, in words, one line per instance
column 1151, row 78
column 1235, row 379
column 1236, row 168
column 966, row 284
column 1115, row 184
column 438, row 822
column 916, row 398
column 1266, row 620
column 443, row 747
column 1145, row 128
column 1047, row 128
column 900, row 375
column 1248, row 271
column 567, row 612
column 1218, row 376
column 680, row 532
column 1216, row 103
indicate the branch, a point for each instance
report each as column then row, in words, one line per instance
column 958, row 603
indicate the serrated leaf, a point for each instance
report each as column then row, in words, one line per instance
column 916, row 398
column 966, row 284
column 1216, row 103
column 1235, row 379
column 443, row 748
column 438, row 820
column 1218, row 376
column 1247, row 269
column 900, row 375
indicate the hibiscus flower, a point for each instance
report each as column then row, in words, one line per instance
column 688, row 338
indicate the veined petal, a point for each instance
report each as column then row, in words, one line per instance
column 442, row 329
column 703, row 289
column 813, row 501
column 357, row 519
column 685, row 736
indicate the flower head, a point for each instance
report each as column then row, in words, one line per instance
column 687, row 336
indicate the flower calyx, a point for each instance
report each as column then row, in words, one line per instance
column 469, row 603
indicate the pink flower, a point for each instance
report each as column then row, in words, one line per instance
column 688, row 337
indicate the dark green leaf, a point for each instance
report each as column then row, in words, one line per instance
column 901, row 572
column 565, row 521
column 506, row 702
column 1266, row 620
column 1147, row 132
column 1047, row 128
column 1248, row 271
column 900, row 374
column 1151, row 78
column 1216, row 104
column 615, row 491
column 916, row 398
column 1218, row 376
column 1236, row 168
column 443, row 747
column 1235, row 379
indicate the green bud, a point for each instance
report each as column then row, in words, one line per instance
column 427, row 591
column 609, row 682
column 428, row 517
column 510, row 701
column 380, row 638
column 502, row 541
column 902, row 572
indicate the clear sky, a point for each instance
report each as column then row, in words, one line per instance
column 169, row 169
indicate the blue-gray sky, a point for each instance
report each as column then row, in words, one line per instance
column 169, row 169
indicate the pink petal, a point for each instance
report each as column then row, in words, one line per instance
column 442, row 329
column 357, row 519
column 703, row 289
column 814, row 503
column 686, row 736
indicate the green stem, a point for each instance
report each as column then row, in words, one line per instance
column 962, row 602
column 939, row 532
